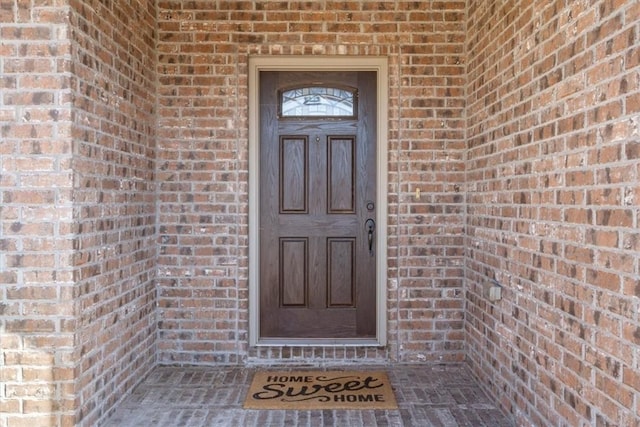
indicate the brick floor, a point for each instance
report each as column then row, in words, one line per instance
column 440, row 395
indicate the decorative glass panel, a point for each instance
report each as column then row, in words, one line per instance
column 318, row 102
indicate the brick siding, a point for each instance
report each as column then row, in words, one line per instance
column 113, row 54
column 37, row 311
column 77, row 209
column 552, row 191
column 123, row 194
column 202, row 168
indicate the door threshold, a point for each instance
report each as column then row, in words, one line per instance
column 315, row 342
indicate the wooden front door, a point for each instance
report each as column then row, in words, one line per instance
column 317, row 205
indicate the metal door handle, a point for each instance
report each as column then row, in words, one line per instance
column 371, row 227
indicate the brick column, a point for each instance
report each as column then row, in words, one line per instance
column 37, row 316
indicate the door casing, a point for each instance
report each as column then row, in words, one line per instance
column 318, row 63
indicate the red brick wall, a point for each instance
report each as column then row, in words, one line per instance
column 37, row 367
column 77, row 208
column 202, row 167
column 539, row 141
column 113, row 52
column 553, row 174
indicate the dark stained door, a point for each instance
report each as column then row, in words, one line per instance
column 317, row 209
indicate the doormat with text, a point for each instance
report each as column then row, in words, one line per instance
column 303, row 390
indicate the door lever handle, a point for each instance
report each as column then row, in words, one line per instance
column 371, row 227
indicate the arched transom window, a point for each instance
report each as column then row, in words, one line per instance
column 318, row 101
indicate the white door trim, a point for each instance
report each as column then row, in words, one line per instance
column 317, row 63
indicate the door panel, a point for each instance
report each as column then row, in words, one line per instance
column 293, row 175
column 341, row 263
column 317, row 191
column 293, row 272
column 341, row 174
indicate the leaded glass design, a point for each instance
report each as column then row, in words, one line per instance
column 315, row 101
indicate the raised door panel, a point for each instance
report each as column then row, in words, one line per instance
column 341, row 174
column 293, row 272
column 294, row 174
column 341, row 272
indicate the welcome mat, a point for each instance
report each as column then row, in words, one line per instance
column 303, row 390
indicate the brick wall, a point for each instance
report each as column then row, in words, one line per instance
column 553, row 176
column 113, row 54
column 37, row 367
column 548, row 172
column 203, row 52
column 77, row 209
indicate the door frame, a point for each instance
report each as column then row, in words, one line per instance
column 318, row 63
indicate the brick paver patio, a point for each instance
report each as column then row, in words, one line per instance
column 428, row 395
